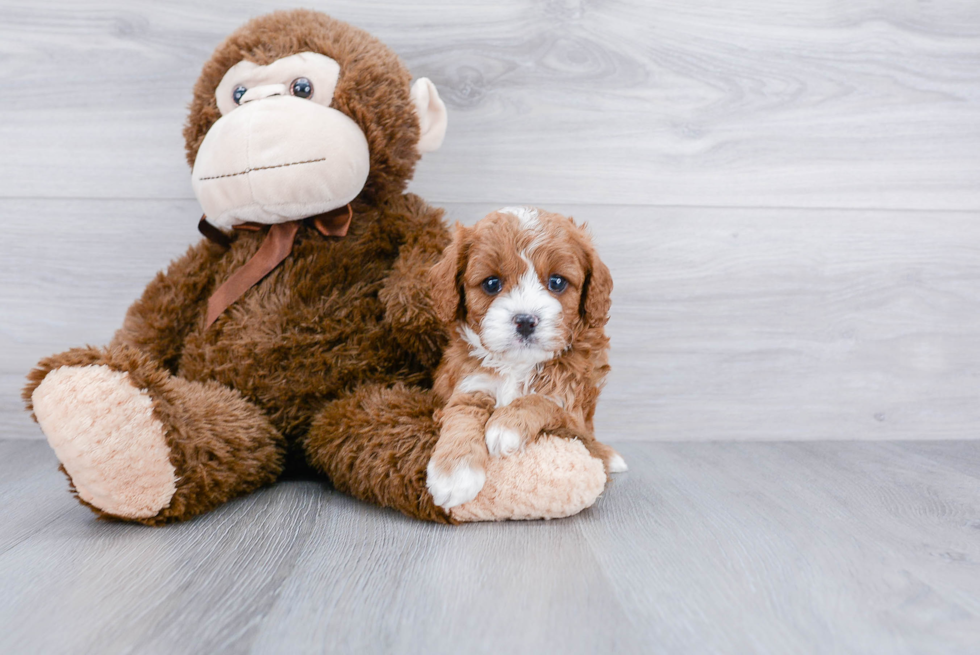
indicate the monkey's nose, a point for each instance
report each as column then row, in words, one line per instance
column 525, row 324
column 264, row 91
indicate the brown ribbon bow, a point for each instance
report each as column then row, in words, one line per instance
column 276, row 246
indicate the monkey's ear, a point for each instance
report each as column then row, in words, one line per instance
column 446, row 278
column 432, row 115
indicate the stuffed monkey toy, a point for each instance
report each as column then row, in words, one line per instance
column 300, row 330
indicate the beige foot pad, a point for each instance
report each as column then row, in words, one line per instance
column 552, row 478
column 103, row 430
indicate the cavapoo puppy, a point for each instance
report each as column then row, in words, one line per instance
column 526, row 298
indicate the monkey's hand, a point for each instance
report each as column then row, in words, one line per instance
column 408, row 309
column 405, row 294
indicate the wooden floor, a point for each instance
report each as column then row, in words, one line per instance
column 833, row 547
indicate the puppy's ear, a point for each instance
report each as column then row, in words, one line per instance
column 596, row 290
column 446, row 278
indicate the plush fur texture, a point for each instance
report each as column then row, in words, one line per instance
column 373, row 88
column 103, row 430
column 328, row 360
column 556, row 477
column 220, row 445
column 504, row 388
column 379, row 429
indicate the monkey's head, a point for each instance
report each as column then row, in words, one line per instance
column 297, row 114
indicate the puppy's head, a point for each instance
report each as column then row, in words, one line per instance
column 521, row 283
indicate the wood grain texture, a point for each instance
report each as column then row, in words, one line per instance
column 867, row 104
column 726, row 324
column 702, row 547
column 729, row 323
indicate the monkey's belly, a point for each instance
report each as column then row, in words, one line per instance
column 290, row 360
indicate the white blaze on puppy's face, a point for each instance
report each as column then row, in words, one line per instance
column 528, row 297
column 528, row 216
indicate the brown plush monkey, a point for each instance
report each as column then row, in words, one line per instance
column 301, row 330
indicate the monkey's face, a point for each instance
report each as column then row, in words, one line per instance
column 279, row 152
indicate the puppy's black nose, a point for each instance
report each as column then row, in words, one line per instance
column 525, row 324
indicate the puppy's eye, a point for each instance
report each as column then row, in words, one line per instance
column 557, row 283
column 238, row 93
column 301, row 87
column 492, row 285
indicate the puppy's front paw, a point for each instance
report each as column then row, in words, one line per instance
column 502, row 440
column 452, row 489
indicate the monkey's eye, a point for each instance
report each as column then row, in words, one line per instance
column 301, row 87
column 238, row 93
column 557, row 283
column 492, row 285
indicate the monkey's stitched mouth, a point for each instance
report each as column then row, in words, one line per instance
column 260, row 168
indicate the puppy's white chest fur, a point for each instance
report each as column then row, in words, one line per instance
column 503, row 386
column 501, row 376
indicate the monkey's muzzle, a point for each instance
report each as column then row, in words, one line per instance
column 279, row 159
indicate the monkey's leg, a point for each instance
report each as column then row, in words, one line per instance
column 376, row 443
column 553, row 477
column 139, row 444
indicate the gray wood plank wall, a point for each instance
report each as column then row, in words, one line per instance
column 788, row 193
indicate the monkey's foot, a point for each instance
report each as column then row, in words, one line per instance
column 552, row 478
column 103, row 430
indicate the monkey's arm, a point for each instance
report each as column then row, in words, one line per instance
column 160, row 320
column 405, row 295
